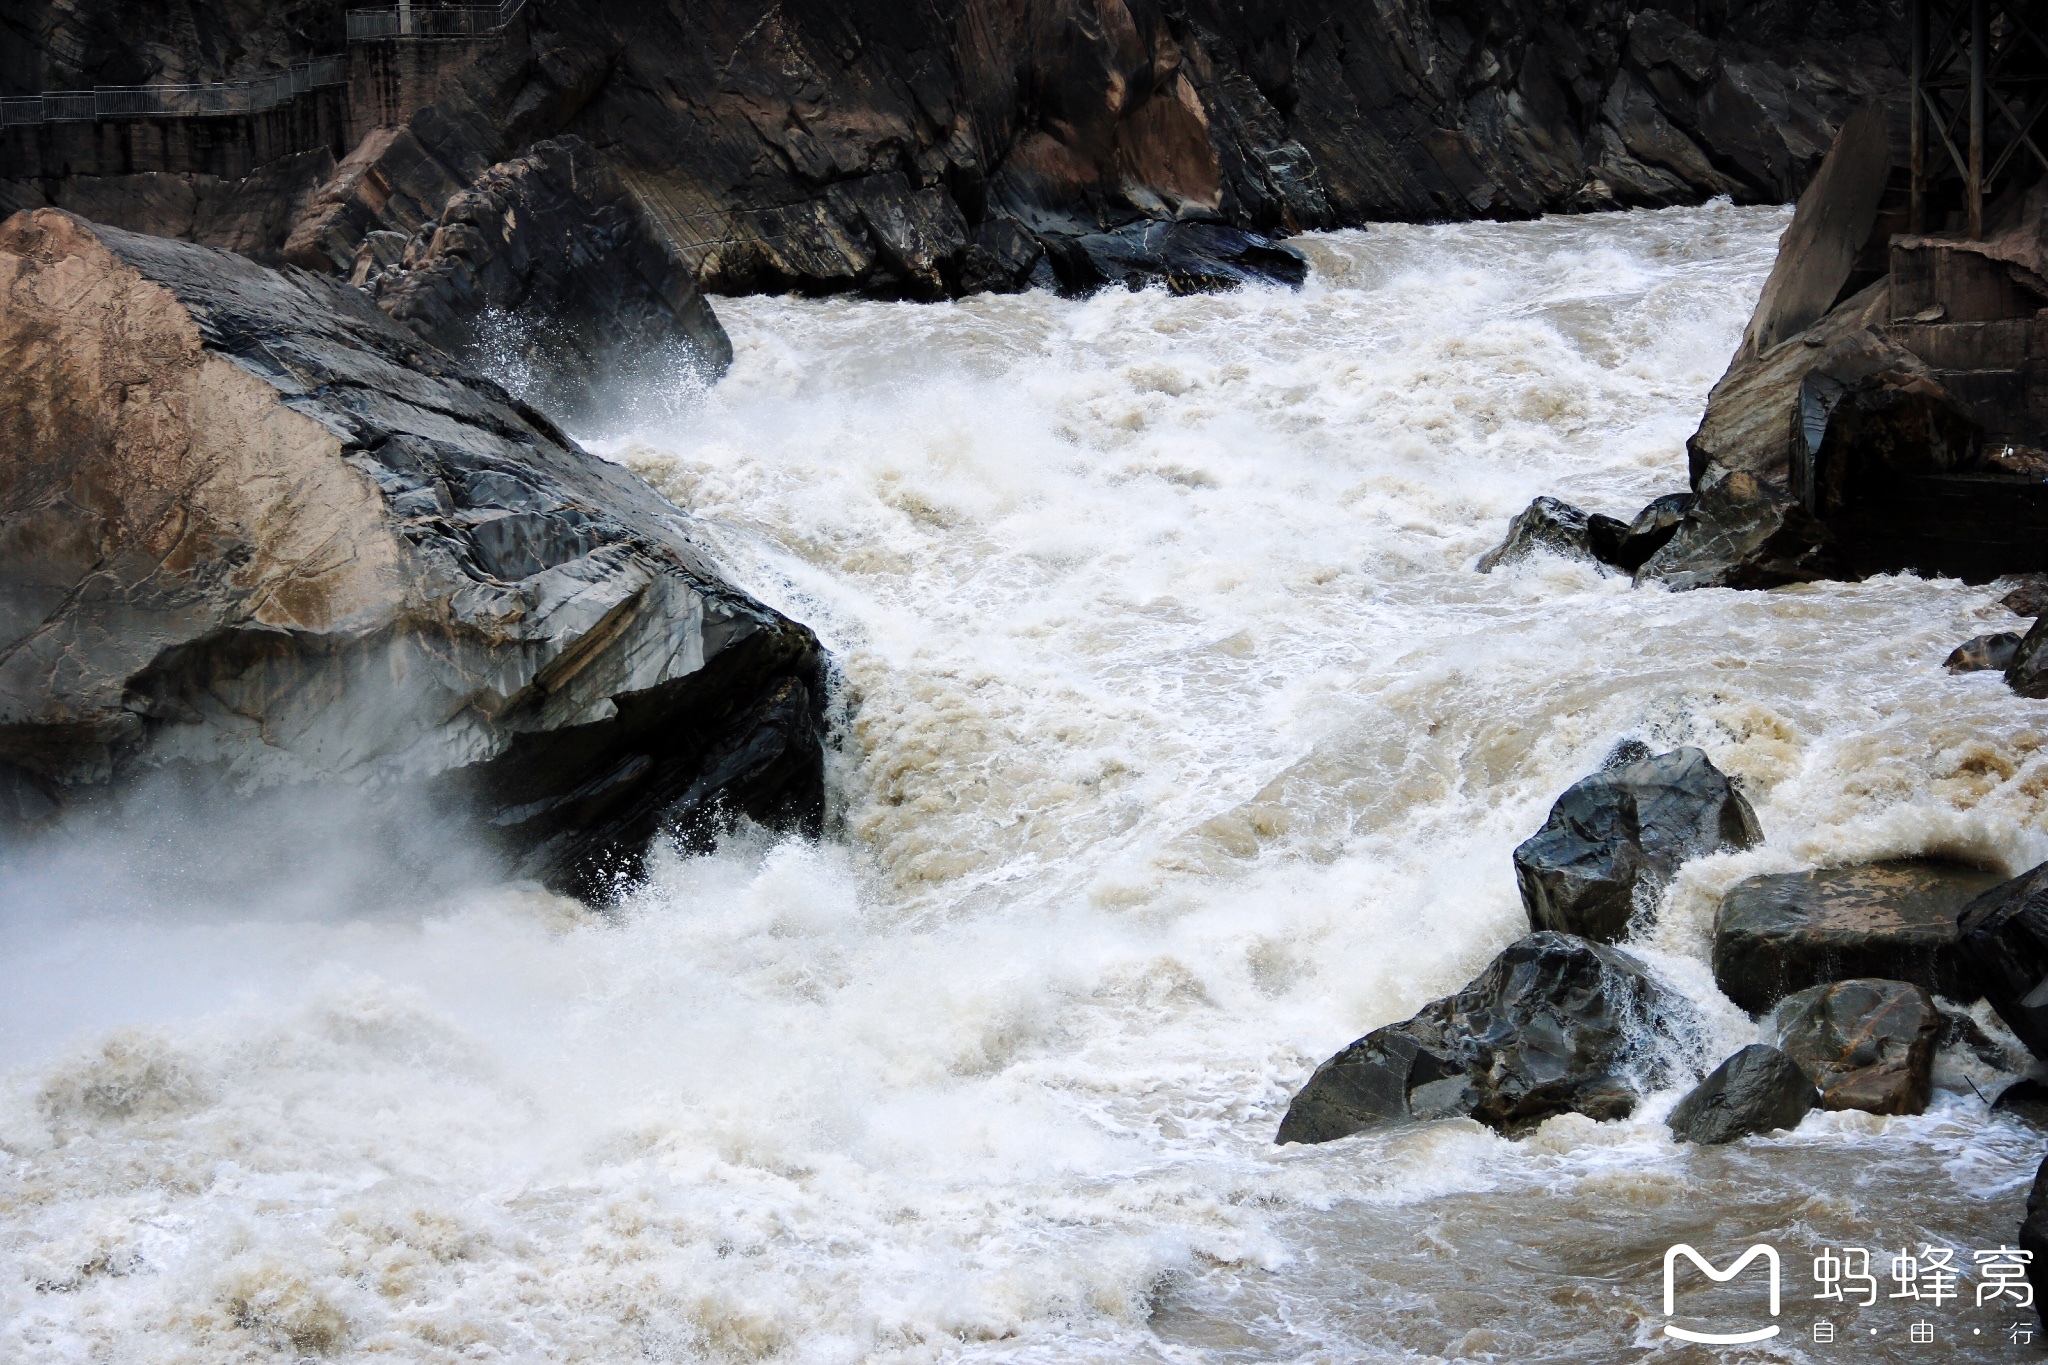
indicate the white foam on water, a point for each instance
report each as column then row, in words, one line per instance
column 1184, row 746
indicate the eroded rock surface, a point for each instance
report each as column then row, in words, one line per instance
column 1757, row 1090
column 252, row 528
column 1553, row 1025
column 1741, row 532
column 1614, row 839
column 1781, row 933
column 919, row 152
column 1867, row 1044
column 1983, row 653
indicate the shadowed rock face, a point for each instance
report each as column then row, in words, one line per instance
column 1554, row 1025
column 250, row 528
column 910, row 151
column 1615, row 838
column 1755, row 1091
column 1787, row 931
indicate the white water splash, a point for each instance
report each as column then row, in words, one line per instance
column 1186, row 747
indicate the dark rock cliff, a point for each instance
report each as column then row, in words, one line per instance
column 930, row 150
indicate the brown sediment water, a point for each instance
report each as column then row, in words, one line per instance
column 1178, row 745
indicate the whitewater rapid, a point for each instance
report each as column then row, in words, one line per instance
column 1176, row 745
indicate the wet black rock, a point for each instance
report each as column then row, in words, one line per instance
column 1188, row 258
column 1741, row 532
column 257, row 532
column 1781, row 933
column 1867, row 1044
column 1553, row 1025
column 1650, row 532
column 1981, row 653
column 2002, row 946
column 1757, row 1090
column 2025, row 1100
column 1546, row 524
column 1614, row 839
column 2027, row 674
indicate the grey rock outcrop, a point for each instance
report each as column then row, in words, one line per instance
column 1784, row 932
column 1757, row 1090
column 1867, row 1044
column 2002, row 945
column 1614, row 839
column 251, row 528
column 2026, row 1101
column 1553, row 1025
column 1741, row 532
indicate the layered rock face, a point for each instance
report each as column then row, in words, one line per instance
column 543, row 272
column 254, row 531
column 923, row 152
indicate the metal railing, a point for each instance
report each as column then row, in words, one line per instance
column 437, row 21
column 175, row 101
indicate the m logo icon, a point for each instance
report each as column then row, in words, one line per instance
column 1719, row 1277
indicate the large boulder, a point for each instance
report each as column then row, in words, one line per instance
column 1741, row 532
column 1867, row 1044
column 1553, row 1025
column 1614, row 839
column 2002, row 944
column 253, row 530
column 1781, row 933
column 1757, row 1090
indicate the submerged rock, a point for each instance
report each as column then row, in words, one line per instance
column 1741, row 532
column 1867, row 1044
column 1554, row 1025
column 1755, row 1091
column 1981, row 653
column 2002, row 945
column 1781, row 933
column 1188, row 258
column 256, row 531
column 1545, row 524
column 1614, row 839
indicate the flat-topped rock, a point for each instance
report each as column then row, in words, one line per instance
column 1787, row 931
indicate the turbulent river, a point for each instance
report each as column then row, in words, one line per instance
column 1178, row 745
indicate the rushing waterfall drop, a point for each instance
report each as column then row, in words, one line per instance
column 1177, row 745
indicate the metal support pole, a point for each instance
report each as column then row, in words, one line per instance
column 1980, row 42
column 405, row 16
column 1916, row 213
